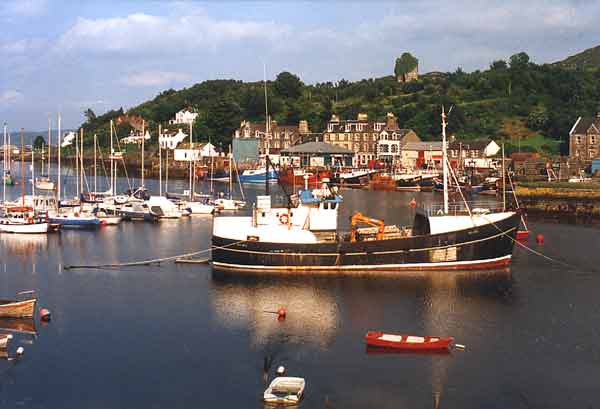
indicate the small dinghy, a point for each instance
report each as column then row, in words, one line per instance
column 406, row 342
column 522, row 234
column 23, row 308
column 285, row 390
column 4, row 338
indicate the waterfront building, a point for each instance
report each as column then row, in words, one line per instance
column 316, row 154
column 135, row 138
column 169, row 139
column 277, row 138
column 584, row 138
column 184, row 117
column 477, row 153
column 416, row 155
column 186, row 153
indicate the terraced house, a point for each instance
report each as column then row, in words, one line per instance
column 366, row 138
column 584, row 138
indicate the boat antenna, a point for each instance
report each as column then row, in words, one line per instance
column 267, row 160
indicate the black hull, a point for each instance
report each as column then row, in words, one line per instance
column 488, row 246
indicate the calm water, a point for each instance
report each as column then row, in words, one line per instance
column 181, row 336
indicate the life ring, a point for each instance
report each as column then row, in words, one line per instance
column 284, row 218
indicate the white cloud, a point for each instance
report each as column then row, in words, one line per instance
column 25, row 8
column 21, row 46
column 10, row 96
column 146, row 34
column 154, row 78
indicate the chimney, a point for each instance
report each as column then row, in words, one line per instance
column 303, row 126
column 392, row 122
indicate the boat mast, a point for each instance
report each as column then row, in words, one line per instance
column 444, row 160
column 58, row 177
column 230, row 174
column 190, row 159
column 267, row 131
column 49, row 142
column 22, row 170
column 503, row 181
column 81, row 166
column 143, row 138
column 32, row 174
column 159, row 161
column 4, row 167
column 95, row 171
column 112, row 153
column 167, row 172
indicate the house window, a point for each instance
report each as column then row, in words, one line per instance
column 365, row 147
column 394, row 148
column 592, row 139
column 374, row 136
column 578, row 140
column 383, row 148
column 342, row 137
column 356, row 137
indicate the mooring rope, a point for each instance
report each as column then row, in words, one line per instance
column 149, row 262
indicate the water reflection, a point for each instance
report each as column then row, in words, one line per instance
column 311, row 311
column 23, row 244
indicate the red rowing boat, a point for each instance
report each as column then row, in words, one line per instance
column 408, row 342
column 522, row 234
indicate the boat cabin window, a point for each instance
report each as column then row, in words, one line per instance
column 333, row 205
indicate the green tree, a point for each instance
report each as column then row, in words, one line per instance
column 405, row 64
column 519, row 61
column 39, row 142
column 222, row 119
column 287, row 85
column 538, row 117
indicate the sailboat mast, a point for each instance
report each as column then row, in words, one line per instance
column 95, row 172
column 112, row 152
column 58, row 176
column 230, row 174
column 503, row 181
column 4, row 167
column 444, row 160
column 22, row 170
column 32, row 174
column 49, row 143
column 159, row 161
column 167, row 170
column 81, row 159
column 143, row 138
column 190, row 159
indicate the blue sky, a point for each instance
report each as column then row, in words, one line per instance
column 71, row 55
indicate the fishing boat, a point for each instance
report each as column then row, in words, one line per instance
column 303, row 236
column 259, row 175
column 23, row 220
column 353, row 177
column 406, row 342
column 298, row 177
column 19, row 308
column 285, row 390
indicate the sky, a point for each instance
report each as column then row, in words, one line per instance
column 66, row 55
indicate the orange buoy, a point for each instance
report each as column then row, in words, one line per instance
column 45, row 314
column 413, row 203
column 539, row 238
column 281, row 313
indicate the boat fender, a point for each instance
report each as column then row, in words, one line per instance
column 45, row 314
column 30, row 220
column 280, row 370
column 539, row 239
column 281, row 313
column 460, row 346
column 20, row 351
column 284, row 218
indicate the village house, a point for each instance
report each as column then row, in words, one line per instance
column 184, row 117
column 475, row 153
column 169, row 139
column 186, row 153
column 421, row 154
column 135, row 137
column 279, row 136
column 584, row 138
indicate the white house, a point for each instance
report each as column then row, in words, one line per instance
column 185, row 116
column 134, row 138
column 187, row 154
column 208, row 150
column 170, row 140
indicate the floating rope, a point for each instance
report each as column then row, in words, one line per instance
column 179, row 258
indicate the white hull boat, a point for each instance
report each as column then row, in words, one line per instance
column 229, row 204
column 198, row 208
column 24, row 228
column 285, row 390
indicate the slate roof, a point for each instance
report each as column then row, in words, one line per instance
column 423, row 146
column 472, row 144
column 584, row 123
column 317, row 147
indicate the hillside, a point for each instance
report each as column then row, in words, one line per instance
column 585, row 60
column 523, row 103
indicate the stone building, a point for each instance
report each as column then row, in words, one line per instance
column 584, row 138
column 279, row 136
column 366, row 138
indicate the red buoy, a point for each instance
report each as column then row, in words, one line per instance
column 281, row 313
column 539, row 238
column 45, row 314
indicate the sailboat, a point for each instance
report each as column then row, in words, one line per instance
column 304, row 236
column 7, row 179
column 223, row 203
column 22, row 219
column 44, row 182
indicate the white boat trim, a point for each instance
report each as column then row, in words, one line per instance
column 408, row 266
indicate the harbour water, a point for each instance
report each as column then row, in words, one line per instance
column 182, row 336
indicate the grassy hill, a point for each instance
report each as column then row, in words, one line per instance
column 517, row 101
column 587, row 59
